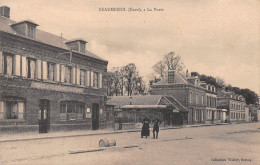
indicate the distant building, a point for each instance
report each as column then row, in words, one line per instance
column 132, row 109
column 198, row 97
column 48, row 82
column 235, row 106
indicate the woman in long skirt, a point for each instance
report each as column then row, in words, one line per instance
column 145, row 129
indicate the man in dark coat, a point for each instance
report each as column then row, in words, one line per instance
column 145, row 129
column 156, row 122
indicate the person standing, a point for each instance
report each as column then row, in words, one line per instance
column 156, row 122
column 145, row 129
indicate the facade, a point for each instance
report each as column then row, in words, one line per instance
column 235, row 106
column 198, row 97
column 132, row 109
column 48, row 83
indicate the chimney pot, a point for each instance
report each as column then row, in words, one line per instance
column 5, row 11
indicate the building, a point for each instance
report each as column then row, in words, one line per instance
column 198, row 97
column 235, row 106
column 48, row 83
column 132, row 109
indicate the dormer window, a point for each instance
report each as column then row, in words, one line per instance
column 78, row 45
column 26, row 28
column 31, row 31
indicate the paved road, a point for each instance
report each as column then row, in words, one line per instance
column 224, row 144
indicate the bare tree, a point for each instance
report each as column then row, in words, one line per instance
column 170, row 61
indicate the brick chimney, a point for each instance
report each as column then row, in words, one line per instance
column 5, row 11
column 171, row 76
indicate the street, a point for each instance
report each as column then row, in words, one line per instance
column 221, row 144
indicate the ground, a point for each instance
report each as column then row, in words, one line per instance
column 222, row 144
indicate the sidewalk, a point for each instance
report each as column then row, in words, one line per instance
column 55, row 135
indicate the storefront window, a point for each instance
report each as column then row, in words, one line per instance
column 11, row 109
column 71, row 110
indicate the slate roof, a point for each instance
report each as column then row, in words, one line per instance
column 41, row 36
column 178, row 80
column 145, row 102
column 135, row 100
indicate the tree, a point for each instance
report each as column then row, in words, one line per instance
column 250, row 96
column 132, row 81
column 125, row 79
column 170, row 61
column 115, row 82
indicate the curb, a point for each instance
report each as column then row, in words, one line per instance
column 105, row 133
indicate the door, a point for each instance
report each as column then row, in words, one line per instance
column 43, row 116
column 95, row 116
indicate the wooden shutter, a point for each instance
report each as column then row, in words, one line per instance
column 78, row 75
column 88, row 78
column 62, row 73
column 24, row 66
column 1, row 63
column 1, row 110
column 74, row 75
column 44, row 70
column 20, row 110
column 38, row 69
column 91, row 79
column 57, row 72
column 17, row 65
column 100, row 81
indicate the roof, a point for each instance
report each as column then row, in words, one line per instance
column 146, row 102
column 28, row 21
column 135, row 100
column 41, row 36
column 144, row 106
column 178, row 79
column 76, row 39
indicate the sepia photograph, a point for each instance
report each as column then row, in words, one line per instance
column 132, row 82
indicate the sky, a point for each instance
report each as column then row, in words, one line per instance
column 220, row 38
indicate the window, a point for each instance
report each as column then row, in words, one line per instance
column 82, row 47
column 8, row 64
column 11, row 109
column 82, row 77
column 190, row 97
column 197, row 99
column 31, row 68
column 68, row 75
column 95, row 80
column 50, row 71
column 31, row 31
column 71, row 110
column 202, row 99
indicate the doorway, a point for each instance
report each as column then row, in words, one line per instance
column 95, row 116
column 44, row 116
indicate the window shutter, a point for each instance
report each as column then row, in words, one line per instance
column 100, row 81
column 62, row 73
column 88, row 78
column 74, row 75
column 78, row 75
column 24, row 66
column 1, row 110
column 1, row 62
column 20, row 110
column 38, row 69
column 57, row 72
column 44, row 70
column 91, row 79
column 17, row 65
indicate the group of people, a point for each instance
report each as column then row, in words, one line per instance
column 145, row 129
